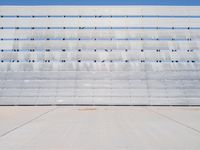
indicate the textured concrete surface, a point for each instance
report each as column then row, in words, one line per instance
column 100, row 55
column 99, row 128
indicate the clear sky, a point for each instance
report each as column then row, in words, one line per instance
column 99, row 2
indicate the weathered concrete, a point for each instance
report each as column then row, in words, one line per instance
column 100, row 55
column 99, row 128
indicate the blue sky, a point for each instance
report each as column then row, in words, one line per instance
column 99, row 2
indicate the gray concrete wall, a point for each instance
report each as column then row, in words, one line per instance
column 112, row 55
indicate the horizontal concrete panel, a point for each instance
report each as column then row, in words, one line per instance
column 101, row 33
column 97, row 101
column 114, row 55
column 100, row 45
column 102, row 75
column 100, row 10
column 87, row 66
column 100, row 84
column 99, row 22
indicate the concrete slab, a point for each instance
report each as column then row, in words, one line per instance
column 99, row 128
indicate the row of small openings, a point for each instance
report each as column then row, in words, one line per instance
column 79, row 39
column 79, row 16
column 94, row 28
column 90, row 16
column 126, row 61
column 95, row 50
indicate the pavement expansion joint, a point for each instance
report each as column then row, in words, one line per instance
column 27, row 122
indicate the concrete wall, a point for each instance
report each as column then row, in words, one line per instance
column 112, row 55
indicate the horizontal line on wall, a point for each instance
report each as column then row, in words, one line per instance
column 100, row 61
column 22, row 87
column 40, row 73
column 98, row 39
column 109, row 28
column 39, row 96
column 95, row 79
column 94, row 104
column 100, row 16
column 89, row 50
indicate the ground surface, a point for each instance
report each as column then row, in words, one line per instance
column 99, row 128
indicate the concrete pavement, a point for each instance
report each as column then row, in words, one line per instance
column 99, row 128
